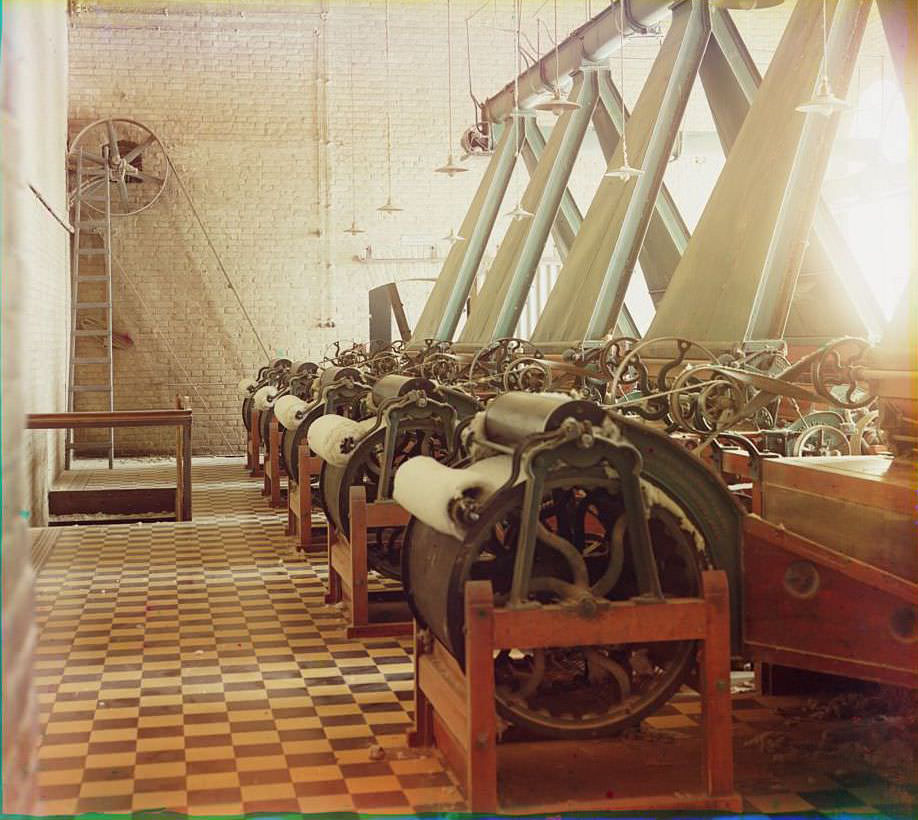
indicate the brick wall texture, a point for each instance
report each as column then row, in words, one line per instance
column 274, row 114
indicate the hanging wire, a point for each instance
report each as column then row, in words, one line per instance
column 229, row 282
column 388, row 207
column 171, row 351
column 353, row 229
column 451, row 168
column 519, row 212
column 625, row 172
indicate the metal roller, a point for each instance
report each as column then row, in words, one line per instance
column 511, row 417
column 611, row 510
column 389, row 387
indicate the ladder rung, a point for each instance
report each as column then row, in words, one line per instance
column 92, row 305
column 92, row 279
column 99, row 443
column 90, row 333
column 91, row 251
column 92, row 223
column 91, row 388
column 91, row 360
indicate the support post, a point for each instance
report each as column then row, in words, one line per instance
column 717, row 714
column 561, row 153
column 771, row 306
column 618, row 272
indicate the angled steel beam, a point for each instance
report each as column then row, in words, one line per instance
column 563, row 322
column 730, row 79
column 569, row 218
column 798, row 207
column 900, row 23
column 593, row 42
column 572, row 128
column 444, row 307
column 520, row 249
column 667, row 234
column 712, row 291
column 660, row 145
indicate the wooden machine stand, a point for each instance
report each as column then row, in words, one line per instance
column 455, row 711
column 253, row 445
column 273, row 472
column 299, row 498
column 347, row 565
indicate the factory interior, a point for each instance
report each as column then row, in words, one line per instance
column 501, row 407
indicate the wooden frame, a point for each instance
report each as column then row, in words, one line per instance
column 299, row 498
column 455, row 710
column 841, row 625
column 134, row 418
column 273, row 472
column 347, row 565
column 253, row 445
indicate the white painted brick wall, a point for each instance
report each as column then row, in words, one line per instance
column 232, row 89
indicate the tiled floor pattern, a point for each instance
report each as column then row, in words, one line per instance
column 195, row 668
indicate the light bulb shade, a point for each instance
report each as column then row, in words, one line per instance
column 519, row 212
column 389, row 208
column 824, row 101
column 353, row 230
column 624, row 172
column 451, row 168
column 452, row 236
column 557, row 105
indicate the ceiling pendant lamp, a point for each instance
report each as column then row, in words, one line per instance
column 389, row 207
column 452, row 237
column 625, row 171
column 518, row 212
column 824, row 102
column 451, row 168
column 557, row 104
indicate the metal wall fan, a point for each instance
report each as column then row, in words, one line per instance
column 130, row 154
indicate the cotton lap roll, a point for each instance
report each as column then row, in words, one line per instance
column 328, row 433
column 426, row 488
column 286, row 409
column 264, row 397
column 246, row 386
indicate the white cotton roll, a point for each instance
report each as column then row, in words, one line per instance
column 286, row 409
column 426, row 488
column 246, row 386
column 264, row 397
column 328, row 433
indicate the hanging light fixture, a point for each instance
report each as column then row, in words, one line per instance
column 519, row 212
column 824, row 101
column 452, row 237
column 353, row 230
column 557, row 104
column 451, row 168
column 624, row 171
column 388, row 207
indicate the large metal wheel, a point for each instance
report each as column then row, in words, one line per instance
column 132, row 157
column 583, row 544
column 363, row 467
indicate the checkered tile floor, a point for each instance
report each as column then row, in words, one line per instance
column 195, row 668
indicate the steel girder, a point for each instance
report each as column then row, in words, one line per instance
column 727, row 254
column 506, row 285
column 731, row 79
column 569, row 218
column 564, row 321
column 443, row 310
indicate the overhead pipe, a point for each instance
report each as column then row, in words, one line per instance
column 595, row 41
